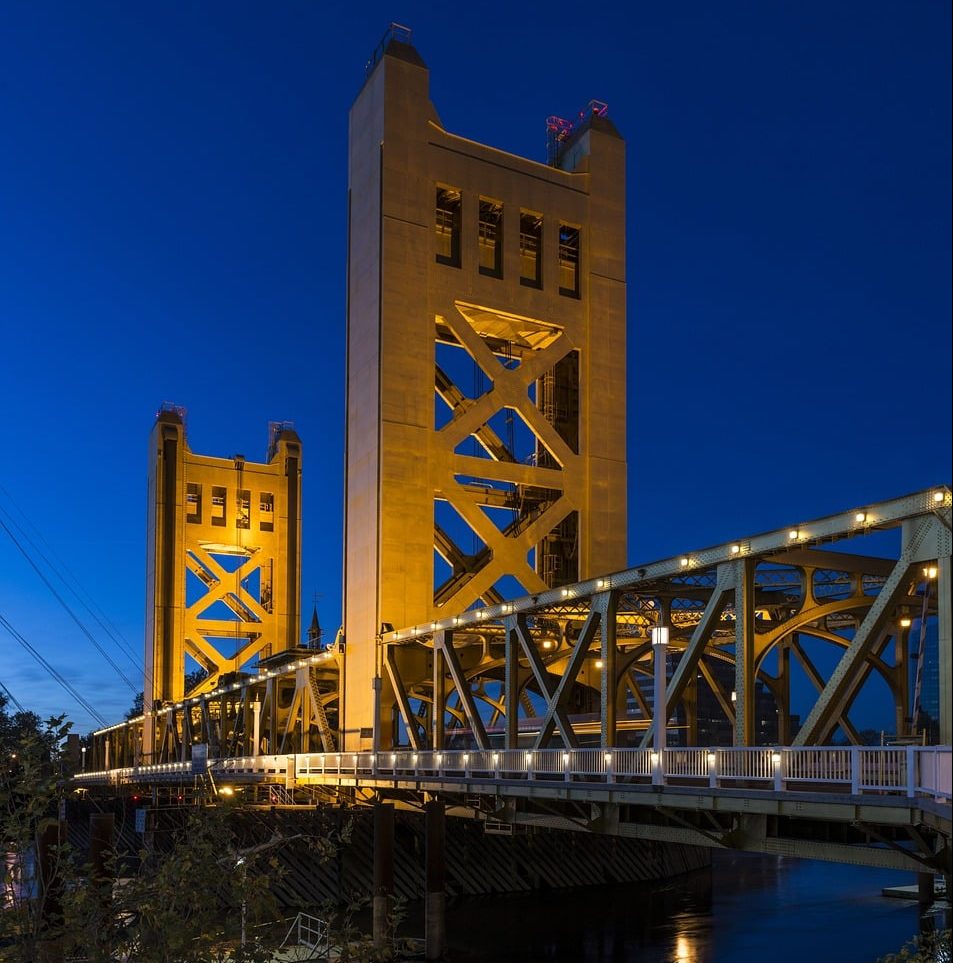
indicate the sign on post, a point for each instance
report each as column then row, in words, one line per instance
column 199, row 758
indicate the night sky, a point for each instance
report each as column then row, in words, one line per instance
column 172, row 228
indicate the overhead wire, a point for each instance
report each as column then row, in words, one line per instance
column 12, row 698
column 52, row 672
column 102, row 651
column 76, row 588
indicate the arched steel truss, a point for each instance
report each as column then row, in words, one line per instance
column 572, row 666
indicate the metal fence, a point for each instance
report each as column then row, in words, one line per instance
column 901, row 771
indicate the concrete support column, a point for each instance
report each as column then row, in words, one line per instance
column 101, row 828
column 101, row 836
column 383, row 872
column 435, row 936
column 744, row 654
column 49, row 838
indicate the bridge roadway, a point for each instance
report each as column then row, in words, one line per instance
column 887, row 807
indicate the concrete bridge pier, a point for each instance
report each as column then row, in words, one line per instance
column 383, row 872
column 48, row 840
column 435, row 935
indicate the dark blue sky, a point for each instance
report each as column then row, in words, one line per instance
column 172, row 227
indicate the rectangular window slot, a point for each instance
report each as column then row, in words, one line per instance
column 218, row 506
column 267, row 576
column 193, row 503
column 491, row 238
column 243, row 506
column 266, row 512
column 447, row 225
column 569, row 261
column 531, row 245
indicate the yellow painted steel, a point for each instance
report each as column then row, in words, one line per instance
column 223, row 561
column 518, row 268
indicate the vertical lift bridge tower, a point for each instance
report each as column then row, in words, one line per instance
column 223, row 561
column 485, row 374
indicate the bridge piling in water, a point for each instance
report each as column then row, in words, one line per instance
column 436, row 898
column 383, row 871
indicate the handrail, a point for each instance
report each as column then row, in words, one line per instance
column 908, row 771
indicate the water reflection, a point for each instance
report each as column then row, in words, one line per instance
column 745, row 908
column 690, row 938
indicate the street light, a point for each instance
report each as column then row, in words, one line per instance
column 659, row 650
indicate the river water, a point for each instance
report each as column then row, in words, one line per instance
column 746, row 908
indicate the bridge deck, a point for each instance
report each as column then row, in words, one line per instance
column 889, row 806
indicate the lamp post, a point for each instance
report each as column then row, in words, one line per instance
column 659, row 652
column 82, row 752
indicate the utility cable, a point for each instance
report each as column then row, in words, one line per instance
column 106, row 625
column 12, row 698
column 122, row 675
column 68, row 686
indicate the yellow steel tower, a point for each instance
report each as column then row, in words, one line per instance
column 223, row 559
column 486, row 372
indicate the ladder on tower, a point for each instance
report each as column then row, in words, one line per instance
column 321, row 716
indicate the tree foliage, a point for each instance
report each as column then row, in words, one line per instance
column 30, row 793
column 925, row 948
column 201, row 894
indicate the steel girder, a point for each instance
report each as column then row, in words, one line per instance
column 573, row 664
column 734, row 603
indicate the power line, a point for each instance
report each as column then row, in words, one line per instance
column 76, row 588
column 122, row 675
column 68, row 686
column 12, row 698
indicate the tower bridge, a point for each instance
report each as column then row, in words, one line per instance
column 776, row 790
column 497, row 656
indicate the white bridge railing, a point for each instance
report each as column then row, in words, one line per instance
column 902, row 771
column 907, row 770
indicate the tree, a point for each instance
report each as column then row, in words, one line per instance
column 36, row 868
column 201, row 896
column 183, row 907
column 926, row 948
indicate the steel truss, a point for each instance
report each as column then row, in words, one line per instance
column 573, row 666
column 285, row 708
column 560, row 666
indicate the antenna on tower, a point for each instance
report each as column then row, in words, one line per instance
column 559, row 130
